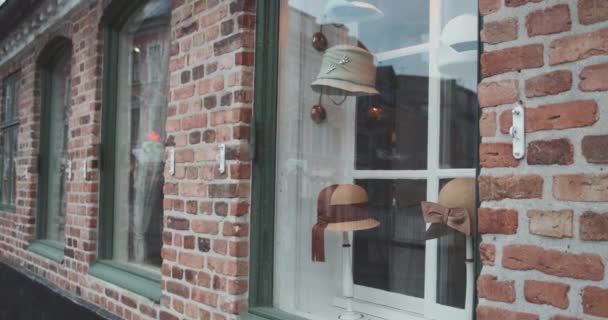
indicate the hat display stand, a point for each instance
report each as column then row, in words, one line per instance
column 348, row 283
column 342, row 209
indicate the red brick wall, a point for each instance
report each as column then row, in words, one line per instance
column 205, row 242
column 544, row 219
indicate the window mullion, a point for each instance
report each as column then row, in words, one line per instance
column 434, row 110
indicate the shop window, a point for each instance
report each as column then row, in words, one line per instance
column 133, row 146
column 375, row 111
column 9, row 124
column 56, row 167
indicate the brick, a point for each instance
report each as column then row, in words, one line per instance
column 555, row 19
column 512, row 59
column 204, row 244
column 497, row 221
column 518, row 3
column 487, row 251
column 235, row 229
column 594, row 301
column 595, row 149
column 128, row 301
column 492, row 94
column 223, row 191
column 492, row 313
column 497, row 155
column 183, row 92
column 192, row 189
column 549, row 293
column 487, row 124
column 487, row 7
column 561, row 317
column 237, row 287
column 554, row 224
column 510, row 187
column 594, row 78
column 205, row 297
column 547, row 152
column 490, row 288
column 205, row 226
column 164, row 315
column 499, row 31
column 550, row 83
column 233, row 43
column 594, row 226
column 578, row 47
column 178, row 289
column 198, row 72
column 581, row 187
column 565, row 115
column 553, row 262
column 191, row 260
column 592, row 11
column 178, row 224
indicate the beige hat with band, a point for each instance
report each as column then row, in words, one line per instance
column 346, row 70
column 340, row 208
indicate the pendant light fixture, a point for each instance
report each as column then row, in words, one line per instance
column 348, row 11
column 458, row 47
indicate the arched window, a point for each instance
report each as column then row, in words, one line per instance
column 133, row 141
column 55, row 163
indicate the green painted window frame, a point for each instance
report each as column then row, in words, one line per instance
column 263, row 147
column 263, row 156
column 141, row 282
column 49, row 249
column 12, row 123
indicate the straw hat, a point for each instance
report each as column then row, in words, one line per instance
column 460, row 193
column 340, row 208
column 455, row 210
column 348, row 71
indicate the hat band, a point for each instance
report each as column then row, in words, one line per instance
column 335, row 214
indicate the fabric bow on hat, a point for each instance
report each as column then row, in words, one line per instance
column 440, row 216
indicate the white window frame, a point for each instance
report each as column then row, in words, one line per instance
column 395, row 306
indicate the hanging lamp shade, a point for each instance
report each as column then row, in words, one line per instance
column 458, row 47
column 347, row 11
column 346, row 71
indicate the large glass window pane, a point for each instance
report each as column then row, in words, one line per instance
column 8, row 140
column 368, row 127
column 140, row 135
column 383, row 254
column 58, row 165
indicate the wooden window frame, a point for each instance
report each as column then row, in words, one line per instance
column 7, row 125
column 142, row 282
column 50, row 55
column 263, row 155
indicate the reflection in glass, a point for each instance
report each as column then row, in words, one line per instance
column 140, row 135
column 397, row 145
column 451, row 269
column 8, row 139
column 391, row 257
column 53, row 204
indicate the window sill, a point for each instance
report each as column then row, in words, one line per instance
column 8, row 208
column 269, row 314
column 144, row 283
column 48, row 249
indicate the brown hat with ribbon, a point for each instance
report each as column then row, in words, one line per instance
column 455, row 210
column 340, row 208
